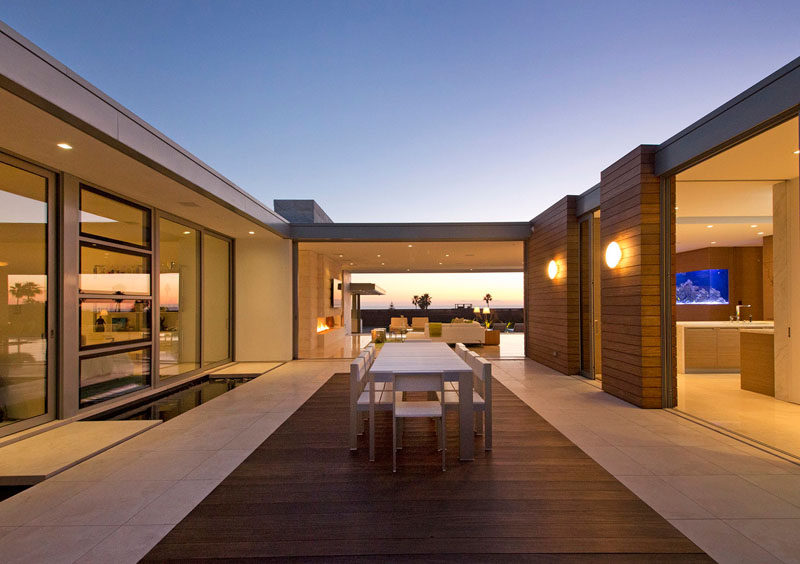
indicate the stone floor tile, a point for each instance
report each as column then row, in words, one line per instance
column 37, row 501
column 219, row 465
column 615, row 461
column 175, row 503
column 786, row 487
column 51, row 545
column 128, row 544
column 666, row 500
column 781, row 537
column 673, row 461
column 104, row 503
column 732, row 497
column 723, row 543
column 160, row 465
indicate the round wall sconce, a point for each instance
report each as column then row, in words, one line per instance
column 552, row 269
column 613, row 254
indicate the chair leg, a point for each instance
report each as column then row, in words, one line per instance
column 394, row 443
column 401, row 427
column 444, row 442
column 479, row 423
column 439, row 434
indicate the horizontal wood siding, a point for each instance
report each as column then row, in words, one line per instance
column 552, row 306
column 631, row 293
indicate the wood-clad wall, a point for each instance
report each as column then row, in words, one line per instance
column 631, row 292
column 552, row 306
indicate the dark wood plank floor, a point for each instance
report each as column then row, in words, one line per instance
column 303, row 495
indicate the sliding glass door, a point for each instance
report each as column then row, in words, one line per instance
column 26, row 351
column 216, row 299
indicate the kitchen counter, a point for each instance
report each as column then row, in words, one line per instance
column 713, row 346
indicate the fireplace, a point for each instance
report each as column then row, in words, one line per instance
column 325, row 324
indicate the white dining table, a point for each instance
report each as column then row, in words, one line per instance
column 426, row 358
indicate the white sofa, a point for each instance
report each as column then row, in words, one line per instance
column 467, row 333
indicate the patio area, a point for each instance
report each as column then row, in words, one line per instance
column 264, row 469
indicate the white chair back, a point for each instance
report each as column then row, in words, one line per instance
column 418, row 382
column 461, row 350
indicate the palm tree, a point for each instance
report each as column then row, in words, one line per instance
column 26, row 290
column 422, row 302
column 487, row 298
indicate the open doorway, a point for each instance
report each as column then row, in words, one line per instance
column 737, row 291
column 590, row 291
column 347, row 289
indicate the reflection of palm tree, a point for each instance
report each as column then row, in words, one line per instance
column 27, row 290
column 487, row 298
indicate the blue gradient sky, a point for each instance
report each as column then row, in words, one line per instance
column 415, row 111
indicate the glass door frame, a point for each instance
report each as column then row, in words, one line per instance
column 231, row 299
column 53, row 295
column 588, row 218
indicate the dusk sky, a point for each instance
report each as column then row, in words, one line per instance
column 415, row 111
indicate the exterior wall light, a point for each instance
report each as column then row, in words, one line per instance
column 552, row 269
column 613, row 254
column 65, row 146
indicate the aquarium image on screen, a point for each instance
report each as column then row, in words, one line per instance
column 709, row 287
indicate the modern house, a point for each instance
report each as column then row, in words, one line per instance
column 132, row 267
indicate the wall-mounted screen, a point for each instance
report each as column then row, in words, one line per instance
column 336, row 293
column 706, row 287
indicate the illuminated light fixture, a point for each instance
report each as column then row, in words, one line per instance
column 252, row 232
column 187, row 232
column 754, row 225
column 3, row 263
column 340, row 256
column 486, row 310
column 410, row 246
column 713, row 242
column 613, row 254
column 351, row 264
column 676, row 207
column 476, row 310
column 408, row 270
column 383, row 264
column 709, row 226
column 797, row 152
column 760, row 233
column 65, row 146
column 552, row 269
column 440, row 262
column 379, row 256
column 447, row 254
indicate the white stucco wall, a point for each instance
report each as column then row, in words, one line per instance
column 263, row 299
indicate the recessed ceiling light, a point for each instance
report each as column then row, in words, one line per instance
column 676, row 207
column 340, row 256
column 797, row 152
column 383, row 264
column 713, row 242
column 754, row 225
column 351, row 264
column 62, row 145
column 447, row 254
column 187, row 232
column 709, row 226
column 408, row 270
column 379, row 256
column 760, row 233
column 252, row 232
column 440, row 263
column 410, row 246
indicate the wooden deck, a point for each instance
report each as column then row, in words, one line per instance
column 302, row 494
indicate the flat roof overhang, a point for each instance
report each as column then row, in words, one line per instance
column 37, row 78
column 765, row 104
column 377, row 232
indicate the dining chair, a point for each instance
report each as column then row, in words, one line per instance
column 403, row 409
column 481, row 396
column 359, row 397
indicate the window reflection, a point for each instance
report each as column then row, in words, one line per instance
column 108, row 218
column 112, row 321
column 216, row 299
column 109, row 376
column 23, row 313
column 104, row 271
column 178, row 299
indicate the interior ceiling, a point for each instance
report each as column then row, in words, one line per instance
column 460, row 256
column 33, row 134
column 732, row 191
